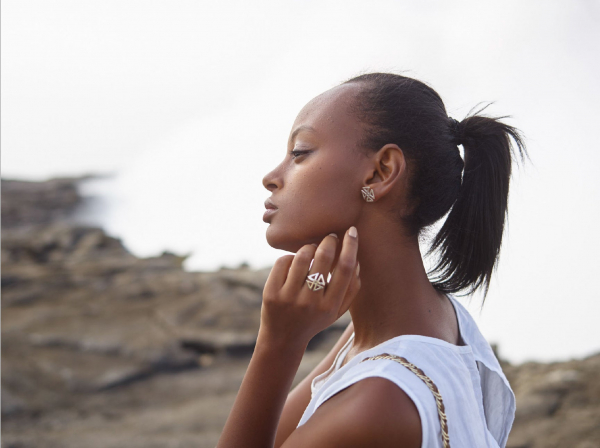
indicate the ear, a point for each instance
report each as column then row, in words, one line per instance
column 389, row 169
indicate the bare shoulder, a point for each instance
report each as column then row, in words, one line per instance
column 372, row 412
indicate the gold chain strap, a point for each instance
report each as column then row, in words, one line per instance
column 436, row 393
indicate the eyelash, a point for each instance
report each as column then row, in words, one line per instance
column 295, row 154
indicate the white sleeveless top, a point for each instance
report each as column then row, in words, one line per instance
column 480, row 404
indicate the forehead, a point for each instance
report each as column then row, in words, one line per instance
column 329, row 114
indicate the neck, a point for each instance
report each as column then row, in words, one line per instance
column 395, row 297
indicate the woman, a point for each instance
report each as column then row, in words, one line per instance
column 371, row 164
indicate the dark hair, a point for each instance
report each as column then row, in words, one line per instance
column 407, row 112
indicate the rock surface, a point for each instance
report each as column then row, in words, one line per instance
column 104, row 349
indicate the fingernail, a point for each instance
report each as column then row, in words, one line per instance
column 352, row 232
column 314, row 244
column 357, row 268
column 333, row 234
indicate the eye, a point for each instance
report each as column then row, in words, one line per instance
column 295, row 154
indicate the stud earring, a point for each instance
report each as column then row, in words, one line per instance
column 368, row 194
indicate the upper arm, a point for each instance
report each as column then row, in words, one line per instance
column 372, row 412
column 299, row 397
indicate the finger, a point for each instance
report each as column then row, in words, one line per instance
column 299, row 268
column 335, row 260
column 345, row 269
column 351, row 292
column 278, row 275
column 323, row 258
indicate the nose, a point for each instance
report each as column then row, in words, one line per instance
column 272, row 181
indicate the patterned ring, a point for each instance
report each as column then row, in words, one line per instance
column 315, row 281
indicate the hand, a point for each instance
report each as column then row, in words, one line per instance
column 292, row 313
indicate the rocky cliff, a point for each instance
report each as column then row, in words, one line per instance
column 104, row 349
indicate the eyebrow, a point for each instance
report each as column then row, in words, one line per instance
column 300, row 129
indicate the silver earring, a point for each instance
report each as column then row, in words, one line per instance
column 368, row 194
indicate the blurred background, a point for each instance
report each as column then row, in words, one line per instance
column 135, row 136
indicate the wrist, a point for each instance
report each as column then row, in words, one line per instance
column 275, row 344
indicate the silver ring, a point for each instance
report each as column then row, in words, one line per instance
column 315, row 281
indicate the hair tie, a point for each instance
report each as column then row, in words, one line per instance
column 456, row 134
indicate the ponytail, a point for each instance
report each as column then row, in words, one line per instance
column 468, row 244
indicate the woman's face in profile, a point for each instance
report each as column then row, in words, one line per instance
column 317, row 188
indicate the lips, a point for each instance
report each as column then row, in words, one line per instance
column 270, row 205
column 271, row 208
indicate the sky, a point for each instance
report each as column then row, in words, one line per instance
column 184, row 106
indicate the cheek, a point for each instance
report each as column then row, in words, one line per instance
column 324, row 194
